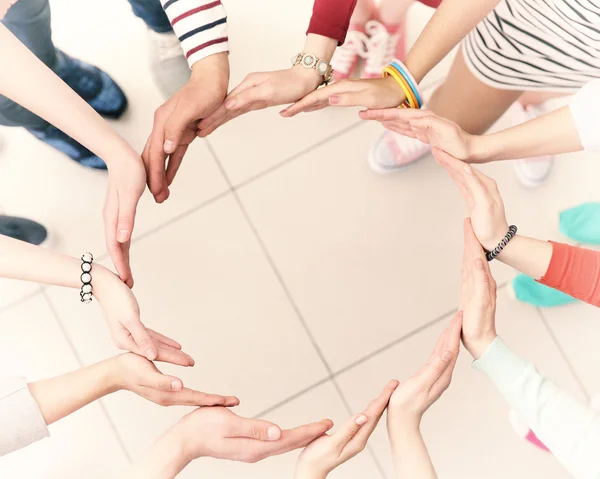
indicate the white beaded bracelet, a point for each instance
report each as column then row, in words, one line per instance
column 86, row 278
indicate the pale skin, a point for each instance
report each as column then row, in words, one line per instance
column 67, row 111
column 26, row 262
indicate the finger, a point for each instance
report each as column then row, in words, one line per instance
column 161, row 338
column 177, row 124
column 398, row 114
column 142, row 338
column 127, row 208
column 167, row 354
column 190, row 397
column 116, row 252
column 252, row 80
column 125, row 250
column 174, row 163
column 251, row 99
column 452, row 346
column 349, row 430
column 213, row 118
column 166, row 383
column 490, row 185
column 399, row 128
column 156, row 159
column 256, row 429
column 318, row 96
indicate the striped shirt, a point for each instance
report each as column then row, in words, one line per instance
column 200, row 25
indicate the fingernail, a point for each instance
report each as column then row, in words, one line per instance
column 362, row 419
column 334, row 100
column 176, row 385
column 123, row 236
column 230, row 104
column 150, row 353
column 168, row 146
column 446, row 356
column 273, row 433
column 468, row 170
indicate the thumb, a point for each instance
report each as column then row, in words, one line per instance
column 165, row 383
column 435, row 370
column 127, row 209
column 176, row 126
column 142, row 339
column 256, row 429
column 349, row 430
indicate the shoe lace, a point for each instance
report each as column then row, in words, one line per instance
column 356, row 44
column 167, row 46
column 382, row 47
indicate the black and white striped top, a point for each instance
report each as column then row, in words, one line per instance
column 551, row 45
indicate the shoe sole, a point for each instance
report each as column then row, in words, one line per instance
column 527, row 181
column 377, row 168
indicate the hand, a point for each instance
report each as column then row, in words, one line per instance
column 426, row 127
column 477, row 296
column 126, row 184
column 414, row 396
column 176, row 121
column 218, row 432
column 329, row 451
column 134, row 373
column 376, row 93
column 122, row 313
column 262, row 90
column 484, row 202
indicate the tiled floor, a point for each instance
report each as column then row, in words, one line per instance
column 298, row 279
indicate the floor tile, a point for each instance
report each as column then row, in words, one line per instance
column 577, row 328
column 467, row 431
column 322, row 402
column 12, row 291
column 32, row 345
column 358, row 249
column 71, row 203
column 206, row 283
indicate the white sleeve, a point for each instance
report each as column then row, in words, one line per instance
column 570, row 430
column 200, row 25
column 21, row 421
column 585, row 108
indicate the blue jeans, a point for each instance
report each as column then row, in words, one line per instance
column 29, row 21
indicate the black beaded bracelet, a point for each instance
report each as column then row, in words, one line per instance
column 512, row 231
column 86, row 278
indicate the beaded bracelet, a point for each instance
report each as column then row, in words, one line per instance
column 86, row 278
column 512, row 231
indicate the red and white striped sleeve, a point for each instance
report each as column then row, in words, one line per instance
column 200, row 25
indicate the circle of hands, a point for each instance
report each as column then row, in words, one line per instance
column 197, row 110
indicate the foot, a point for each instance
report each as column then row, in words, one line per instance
column 532, row 172
column 169, row 66
column 67, row 145
column 386, row 42
column 393, row 152
column 346, row 58
column 93, row 85
column 23, row 230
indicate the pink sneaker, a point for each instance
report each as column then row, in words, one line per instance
column 346, row 58
column 386, row 42
column 393, row 152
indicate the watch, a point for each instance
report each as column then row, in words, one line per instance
column 308, row 60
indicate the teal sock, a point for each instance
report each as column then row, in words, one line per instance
column 530, row 291
column 582, row 223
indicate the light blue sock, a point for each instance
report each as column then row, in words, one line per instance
column 530, row 291
column 582, row 223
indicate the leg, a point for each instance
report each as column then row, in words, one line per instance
column 532, row 98
column 473, row 105
column 363, row 12
column 153, row 15
column 392, row 12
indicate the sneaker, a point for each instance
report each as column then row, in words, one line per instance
column 169, row 66
column 386, row 42
column 70, row 147
column 23, row 230
column 528, row 290
column 532, row 172
column 93, row 85
column 346, row 58
column 393, row 152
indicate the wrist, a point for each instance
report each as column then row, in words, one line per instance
column 478, row 346
column 215, row 67
column 322, row 47
column 109, row 376
column 403, row 429
column 306, row 472
column 308, row 77
column 479, row 148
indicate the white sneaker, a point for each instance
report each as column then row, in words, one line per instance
column 384, row 46
column 167, row 60
column 346, row 57
column 393, row 152
column 532, row 172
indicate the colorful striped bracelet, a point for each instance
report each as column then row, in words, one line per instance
column 406, row 81
column 401, row 67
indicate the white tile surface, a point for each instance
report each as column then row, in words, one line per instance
column 215, row 293
column 467, row 431
column 33, row 346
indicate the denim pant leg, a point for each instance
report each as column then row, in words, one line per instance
column 153, row 15
column 29, row 21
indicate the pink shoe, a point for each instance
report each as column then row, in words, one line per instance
column 393, row 152
column 346, row 58
column 386, row 42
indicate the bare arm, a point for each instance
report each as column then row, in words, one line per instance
column 411, row 457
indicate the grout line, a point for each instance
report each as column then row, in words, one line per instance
column 563, row 354
column 82, row 365
column 17, row 302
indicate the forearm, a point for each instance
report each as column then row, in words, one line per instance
column 571, row 430
column 549, row 134
column 58, row 397
column 164, row 460
column 331, row 19
column 322, row 47
column 56, row 102
column 410, row 454
column 451, row 22
column 528, row 255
